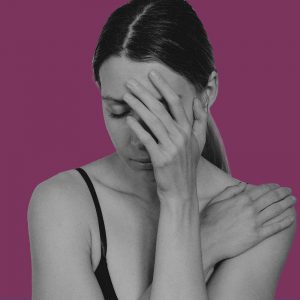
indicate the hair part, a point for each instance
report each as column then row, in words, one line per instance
column 168, row 32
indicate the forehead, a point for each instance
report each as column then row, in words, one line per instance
column 116, row 71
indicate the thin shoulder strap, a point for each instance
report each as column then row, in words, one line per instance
column 98, row 209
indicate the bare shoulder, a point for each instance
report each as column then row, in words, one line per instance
column 255, row 272
column 60, row 190
column 66, row 191
column 60, row 239
column 60, row 198
column 285, row 236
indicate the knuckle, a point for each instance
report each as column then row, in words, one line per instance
column 251, row 198
column 172, row 152
column 167, row 159
column 278, row 207
column 175, row 99
column 251, row 212
column 245, row 199
column 274, row 193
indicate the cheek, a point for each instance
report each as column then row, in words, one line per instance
column 118, row 131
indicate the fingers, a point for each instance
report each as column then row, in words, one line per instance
column 200, row 116
column 259, row 190
column 270, row 197
column 144, row 137
column 230, row 192
column 151, row 120
column 171, row 97
column 153, row 105
column 276, row 209
column 273, row 228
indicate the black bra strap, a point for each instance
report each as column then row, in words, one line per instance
column 98, row 208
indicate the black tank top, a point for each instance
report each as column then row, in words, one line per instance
column 101, row 272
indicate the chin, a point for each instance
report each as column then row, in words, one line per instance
column 138, row 165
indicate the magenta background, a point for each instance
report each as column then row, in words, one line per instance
column 51, row 115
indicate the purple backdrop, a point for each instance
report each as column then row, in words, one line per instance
column 51, row 114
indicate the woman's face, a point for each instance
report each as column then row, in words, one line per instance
column 114, row 74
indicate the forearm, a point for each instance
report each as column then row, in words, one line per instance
column 211, row 250
column 178, row 268
column 208, row 264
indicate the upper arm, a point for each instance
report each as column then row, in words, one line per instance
column 60, row 245
column 254, row 273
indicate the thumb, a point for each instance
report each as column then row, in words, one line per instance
column 230, row 191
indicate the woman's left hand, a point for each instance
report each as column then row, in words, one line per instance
column 179, row 144
column 242, row 216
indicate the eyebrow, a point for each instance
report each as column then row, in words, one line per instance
column 121, row 101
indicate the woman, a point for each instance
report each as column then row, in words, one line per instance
column 170, row 221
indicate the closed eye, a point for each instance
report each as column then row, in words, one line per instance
column 119, row 116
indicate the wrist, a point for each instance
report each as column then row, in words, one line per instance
column 177, row 202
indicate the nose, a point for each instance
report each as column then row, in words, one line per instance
column 135, row 139
column 137, row 143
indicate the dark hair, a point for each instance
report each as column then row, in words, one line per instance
column 169, row 32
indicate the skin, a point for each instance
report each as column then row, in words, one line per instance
column 118, row 171
column 140, row 179
column 114, row 74
column 128, row 195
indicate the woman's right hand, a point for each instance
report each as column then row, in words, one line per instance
column 242, row 216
